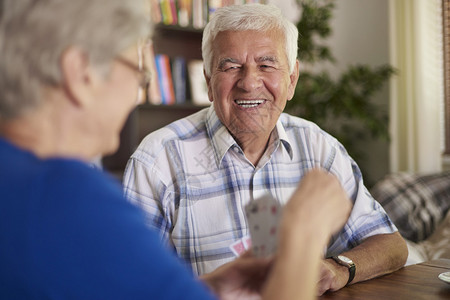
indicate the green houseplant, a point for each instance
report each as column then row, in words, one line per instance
column 342, row 106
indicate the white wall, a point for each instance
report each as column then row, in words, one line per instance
column 360, row 35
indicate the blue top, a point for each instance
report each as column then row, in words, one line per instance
column 66, row 232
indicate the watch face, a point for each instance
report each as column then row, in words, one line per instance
column 345, row 259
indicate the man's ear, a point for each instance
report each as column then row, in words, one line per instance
column 77, row 75
column 208, row 84
column 293, row 78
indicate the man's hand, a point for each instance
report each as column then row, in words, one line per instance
column 241, row 279
column 332, row 276
column 371, row 259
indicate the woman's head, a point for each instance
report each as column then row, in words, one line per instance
column 35, row 33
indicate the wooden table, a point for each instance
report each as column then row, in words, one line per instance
column 412, row 282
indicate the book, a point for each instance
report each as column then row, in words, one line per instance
column 184, row 12
column 155, row 11
column 166, row 12
column 165, row 79
column 173, row 12
column 179, row 79
column 199, row 88
column 213, row 5
column 199, row 13
column 153, row 92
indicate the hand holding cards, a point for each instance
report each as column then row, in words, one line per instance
column 263, row 217
column 320, row 204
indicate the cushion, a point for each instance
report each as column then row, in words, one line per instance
column 438, row 244
column 435, row 247
column 417, row 204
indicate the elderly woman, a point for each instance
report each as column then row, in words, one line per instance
column 70, row 72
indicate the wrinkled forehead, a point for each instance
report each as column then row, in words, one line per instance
column 257, row 43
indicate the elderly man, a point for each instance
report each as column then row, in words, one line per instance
column 69, row 73
column 195, row 176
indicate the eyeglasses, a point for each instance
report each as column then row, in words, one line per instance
column 145, row 75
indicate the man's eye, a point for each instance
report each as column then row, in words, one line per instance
column 267, row 68
column 230, row 68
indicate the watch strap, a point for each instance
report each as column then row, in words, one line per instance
column 349, row 264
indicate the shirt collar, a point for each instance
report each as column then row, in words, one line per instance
column 283, row 137
column 222, row 140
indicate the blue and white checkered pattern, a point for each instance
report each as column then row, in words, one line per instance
column 193, row 181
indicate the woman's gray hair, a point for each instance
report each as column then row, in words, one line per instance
column 35, row 33
column 260, row 17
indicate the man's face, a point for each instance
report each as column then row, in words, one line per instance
column 250, row 81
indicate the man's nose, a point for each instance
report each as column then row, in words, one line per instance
column 250, row 79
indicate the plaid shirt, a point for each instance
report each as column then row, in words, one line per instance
column 193, row 181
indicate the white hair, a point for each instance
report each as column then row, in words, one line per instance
column 260, row 17
column 35, row 33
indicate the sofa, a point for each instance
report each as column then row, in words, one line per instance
column 419, row 205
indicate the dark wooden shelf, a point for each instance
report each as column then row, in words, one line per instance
column 144, row 119
column 153, row 117
column 178, row 41
column 161, row 27
column 176, row 106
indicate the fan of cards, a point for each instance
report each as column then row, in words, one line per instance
column 263, row 217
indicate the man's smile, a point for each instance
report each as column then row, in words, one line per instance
column 249, row 103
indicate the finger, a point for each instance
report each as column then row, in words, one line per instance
column 247, row 253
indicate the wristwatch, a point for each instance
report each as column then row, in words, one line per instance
column 346, row 262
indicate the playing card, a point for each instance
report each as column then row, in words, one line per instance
column 247, row 242
column 263, row 216
column 238, row 247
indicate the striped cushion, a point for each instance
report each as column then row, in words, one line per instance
column 416, row 204
column 438, row 244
